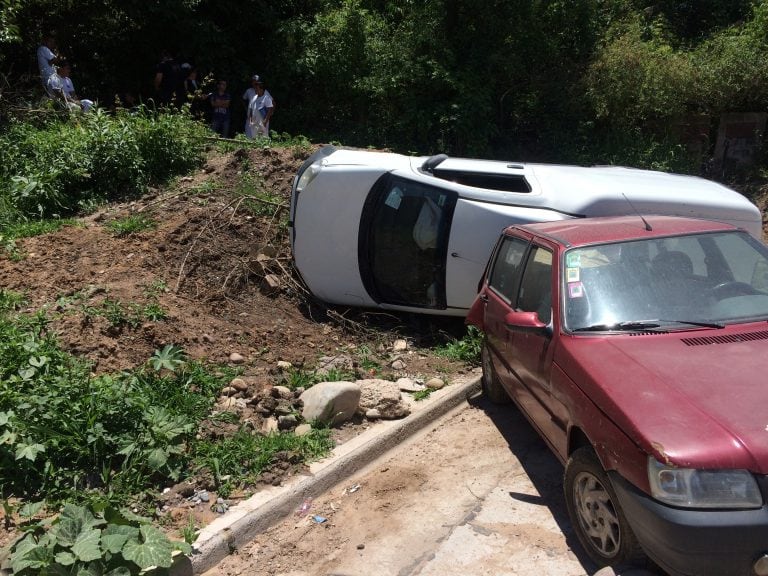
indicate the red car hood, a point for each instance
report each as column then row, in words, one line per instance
column 695, row 398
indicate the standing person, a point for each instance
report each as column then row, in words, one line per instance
column 220, row 100
column 65, row 85
column 260, row 110
column 166, row 78
column 249, row 95
column 47, row 58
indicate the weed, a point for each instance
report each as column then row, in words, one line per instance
column 155, row 288
column 153, row 311
column 130, row 225
column 190, row 531
column 422, row 394
column 204, row 188
column 467, row 349
column 298, row 378
column 245, row 455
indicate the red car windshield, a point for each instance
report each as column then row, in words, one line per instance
column 700, row 279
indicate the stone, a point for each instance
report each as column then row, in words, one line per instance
column 271, row 284
column 435, row 383
column 325, row 364
column 287, row 422
column 408, row 385
column 400, row 345
column 283, row 408
column 284, row 365
column 372, row 414
column 269, row 426
column 331, row 402
column 229, row 391
column 239, row 384
column 384, row 397
column 398, row 365
column 282, row 392
column 302, row 429
column 236, row 358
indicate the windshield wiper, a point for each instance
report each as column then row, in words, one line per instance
column 645, row 325
column 696, row 323
column 629, row 325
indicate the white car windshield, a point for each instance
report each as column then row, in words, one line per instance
column 682, row 281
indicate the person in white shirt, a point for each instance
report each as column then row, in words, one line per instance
column 47, row 58
column 249, row 95
column 260, row 110
column 60, row 84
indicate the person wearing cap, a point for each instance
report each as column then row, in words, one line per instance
column 249, row 95
column 260, row 111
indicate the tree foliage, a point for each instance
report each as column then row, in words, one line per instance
column 533, row 79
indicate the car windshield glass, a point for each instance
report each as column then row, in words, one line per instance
column 700, row 280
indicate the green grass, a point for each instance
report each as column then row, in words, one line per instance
column 466, row 349
column 245, row 455
column 130, row 225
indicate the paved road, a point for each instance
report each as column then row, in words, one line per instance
column 476, row 493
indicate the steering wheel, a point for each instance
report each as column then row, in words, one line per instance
column 730, row 289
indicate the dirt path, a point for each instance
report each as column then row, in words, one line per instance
column 455, row 500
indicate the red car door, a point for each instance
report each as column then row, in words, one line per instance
column 498, row 298
column 531, row 347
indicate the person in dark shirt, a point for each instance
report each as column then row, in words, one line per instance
column 166, row 79
column 220, row 100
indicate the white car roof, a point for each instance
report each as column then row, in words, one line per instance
column 572, row 190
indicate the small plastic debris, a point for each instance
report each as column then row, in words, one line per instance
column 319, row 519
column 353, row 488
column 304, row 508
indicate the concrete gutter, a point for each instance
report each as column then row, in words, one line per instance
column 242, row 523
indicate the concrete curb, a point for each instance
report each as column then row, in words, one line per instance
column 244, row 522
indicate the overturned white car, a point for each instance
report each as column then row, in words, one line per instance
column 389, row 231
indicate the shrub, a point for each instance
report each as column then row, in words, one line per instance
column 58, row 166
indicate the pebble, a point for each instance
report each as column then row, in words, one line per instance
column 400, row 345
column 239, row 384
column 236, row 358
column 398, row 365
column 360, row 546
column 435, row 383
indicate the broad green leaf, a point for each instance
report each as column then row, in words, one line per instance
column 114, row 537
column 86, row 547
column 38, row 557
column 31, row 508
column 156, row 549
column 5, row 417
column 82, row 514
column 182, row 547
column 8, row 437
column 157, row 458
column 65, row 558
column 91, row 569
column 133, row 517
column 119, row 571
column 37, row 361
column 28, row 451
column 66, row 531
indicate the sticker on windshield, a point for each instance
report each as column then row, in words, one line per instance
column 572, row 274
column 573, row 260
column 575, row 290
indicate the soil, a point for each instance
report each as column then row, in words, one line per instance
column 218, row 263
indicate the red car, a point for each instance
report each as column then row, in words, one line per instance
column 638, row 347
